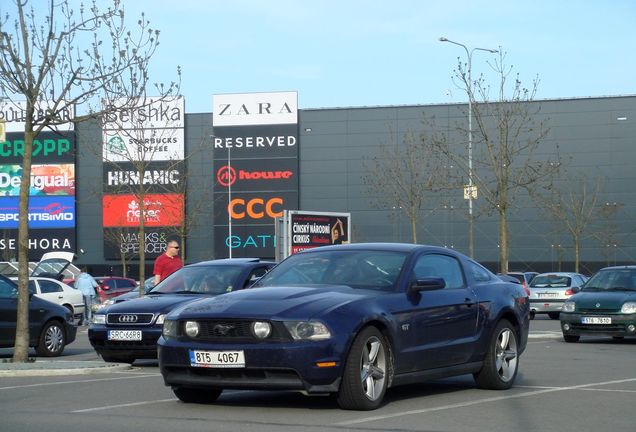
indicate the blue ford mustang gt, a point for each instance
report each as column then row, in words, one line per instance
column 351, row 320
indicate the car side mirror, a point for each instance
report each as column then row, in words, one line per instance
column 427, row 284
column 576, row 289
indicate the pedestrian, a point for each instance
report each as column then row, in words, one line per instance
column 86, row 284
column 168, row 262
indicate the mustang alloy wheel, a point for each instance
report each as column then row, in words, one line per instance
column 366, row 373
column 52, row 340
column 502, row 359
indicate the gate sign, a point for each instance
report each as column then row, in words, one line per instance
column 307, row 230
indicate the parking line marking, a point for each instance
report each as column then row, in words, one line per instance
column 477, row 402
column 132, row 404
column 77, row 382
column 609, row 390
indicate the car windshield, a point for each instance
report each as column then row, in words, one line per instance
column 550, row 281
column 615, row 279
column 199, row 279
column 367, row 269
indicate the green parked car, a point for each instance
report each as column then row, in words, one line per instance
column 604, row 306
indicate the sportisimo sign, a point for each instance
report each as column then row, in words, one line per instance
column 44, row 212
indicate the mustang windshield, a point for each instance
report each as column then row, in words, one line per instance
column 369, row 269
column 612, row 280
column 200, row 280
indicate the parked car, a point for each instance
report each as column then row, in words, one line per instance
column 524, row 278
column 51, row 326
column 149, row 284
column 350, row 320
column 113, row 286
column 60, row 293
column 605, row 306
column 125, row 331
column 548, row 291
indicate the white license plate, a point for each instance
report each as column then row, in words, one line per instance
column 217, row 359
column 596, row 320
column 548, row 295
column 124, row 335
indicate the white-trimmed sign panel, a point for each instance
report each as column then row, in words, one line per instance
column 148, row 113
column 13, row 114
column 143, row 145
column 251, row 109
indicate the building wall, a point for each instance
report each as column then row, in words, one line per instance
column 337, row 145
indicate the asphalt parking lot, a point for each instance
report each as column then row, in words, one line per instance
column 588, row 386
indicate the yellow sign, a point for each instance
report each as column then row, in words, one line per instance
column 470, row 192
column 3, row 135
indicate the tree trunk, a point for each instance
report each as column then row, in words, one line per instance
column 577, row 253
column 414, row 229
column 503, row 241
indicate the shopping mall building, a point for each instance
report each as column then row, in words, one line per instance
column 218, row 181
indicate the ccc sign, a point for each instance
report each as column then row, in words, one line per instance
column 255, row 208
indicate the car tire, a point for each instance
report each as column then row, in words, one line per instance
column 618, row 338
column 117, row 359
column 52, row 340
column 366, row 373
column 502, row 359
column 197, row 395
column 532, row 314
column 571, row 338
column 554, row 315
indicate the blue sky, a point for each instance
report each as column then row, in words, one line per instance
column 367, row 53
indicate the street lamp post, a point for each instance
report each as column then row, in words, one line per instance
column 471, row 193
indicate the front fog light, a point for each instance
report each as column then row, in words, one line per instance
column 261, row 329
column 192, row 328
column 566, row 327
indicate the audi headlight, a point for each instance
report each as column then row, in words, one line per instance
column 568, row 306
column 170, row 329
column 308, row 330
column 99, row 319
column 160, row 319
column 261, row 329
column 629, row 308
column 192, row 328
column 108, row 302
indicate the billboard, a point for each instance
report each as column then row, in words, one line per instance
column 45, row 180
column 307, row 230
column 143, row 145
column 14, row 114
column 255, row 170
column 159, row 210
column 44, row 212
column 148, row 113
column 48, row 148
column 157, row 177
column 121, row 240
column 41, row 241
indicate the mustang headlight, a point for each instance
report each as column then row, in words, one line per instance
column 170, row 329
column 99, row 319
column 568, row 306
column 261, row 329
column 160, row 319
column 307, row 330
column 629, row 308
column 192, row 328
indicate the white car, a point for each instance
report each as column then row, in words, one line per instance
column 58, row 292
column 44, row 283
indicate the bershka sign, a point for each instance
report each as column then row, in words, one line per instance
column 44, row 212
column 40, row 242
column 45, row 180
column 157, row 177
column 145, row 113
column 159, row 210
column 248, row 109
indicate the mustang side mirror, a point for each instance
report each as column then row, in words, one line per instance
column 427, row 284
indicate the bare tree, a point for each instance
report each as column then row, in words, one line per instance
column 57, row 58
column 402, row 177
column 573, row 203
column 508, row 134
column 607, row 229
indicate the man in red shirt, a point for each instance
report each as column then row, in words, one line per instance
column 168, row 262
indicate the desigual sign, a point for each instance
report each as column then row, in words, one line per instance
column 44, row 212
column 45, row 180
column 159, row 210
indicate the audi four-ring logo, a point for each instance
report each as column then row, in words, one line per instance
column 128, row 318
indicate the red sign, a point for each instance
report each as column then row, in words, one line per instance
column 227, row 175
column 159, row 210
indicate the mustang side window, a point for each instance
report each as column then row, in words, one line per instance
column 441, row 266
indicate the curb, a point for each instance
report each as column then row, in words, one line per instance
column 58, row 368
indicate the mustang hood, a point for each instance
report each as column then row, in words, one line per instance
column 150, row 303
column 275, row 302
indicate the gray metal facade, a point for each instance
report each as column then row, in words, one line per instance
column 596, row 137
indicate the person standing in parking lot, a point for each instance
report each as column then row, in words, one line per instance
column 86, row 284
column 168, row 262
